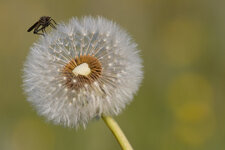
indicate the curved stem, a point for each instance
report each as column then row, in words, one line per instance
column 117, row 132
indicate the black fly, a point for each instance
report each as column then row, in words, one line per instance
column 41, row 24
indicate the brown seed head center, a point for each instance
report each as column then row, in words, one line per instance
column 74, row 80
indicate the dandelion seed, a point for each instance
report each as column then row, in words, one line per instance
column 83, row 70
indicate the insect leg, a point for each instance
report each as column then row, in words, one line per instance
column 38, row 33
column 52, row 25
column 53, row 21
column 44, row 31
column 37, row 30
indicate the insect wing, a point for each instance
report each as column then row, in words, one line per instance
column 32, row 27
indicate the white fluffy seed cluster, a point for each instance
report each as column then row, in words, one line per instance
column 107, row 94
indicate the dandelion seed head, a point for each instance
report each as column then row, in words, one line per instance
column 84, row 69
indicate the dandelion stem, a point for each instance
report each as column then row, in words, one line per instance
column 117, row 132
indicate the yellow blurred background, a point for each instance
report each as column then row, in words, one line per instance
column 181, row 103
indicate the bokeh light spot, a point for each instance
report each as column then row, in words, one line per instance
column 190, row 99
column 189, row 88
column 195, row 134
column 193, row 112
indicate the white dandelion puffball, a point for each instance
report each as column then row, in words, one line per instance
column 82, row 70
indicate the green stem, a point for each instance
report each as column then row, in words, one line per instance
column 117, row 132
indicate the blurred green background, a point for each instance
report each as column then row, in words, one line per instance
column 180, row 105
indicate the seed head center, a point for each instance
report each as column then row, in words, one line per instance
column 82, row 69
